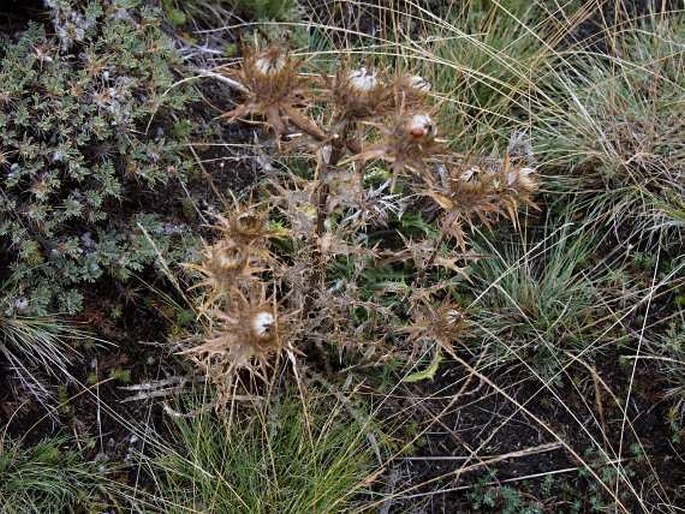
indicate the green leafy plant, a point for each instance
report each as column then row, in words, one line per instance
column 84, row 145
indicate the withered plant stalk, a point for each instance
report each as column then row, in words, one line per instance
column 261, row 301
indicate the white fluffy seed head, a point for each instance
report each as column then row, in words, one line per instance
column 521, row 176
column 453, row 316
column 419, row 83
column 362, row 80
column 262, row 323
column 420, row 126
column 470, row 174
column 270, row 65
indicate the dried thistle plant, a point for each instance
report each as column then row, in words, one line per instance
column 440, row 322
column 483, row 190
column 245, row 335
column 409, row 143
column 339, row 283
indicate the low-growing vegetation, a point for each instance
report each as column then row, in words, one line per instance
column 303, row 256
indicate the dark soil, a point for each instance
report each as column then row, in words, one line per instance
column 16, row 14
column 479, row 426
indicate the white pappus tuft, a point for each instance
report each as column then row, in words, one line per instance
column 268, row 65
column 363, row 80
column 262, row 323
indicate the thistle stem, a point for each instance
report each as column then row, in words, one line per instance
column 431, row 259
column 338, row 147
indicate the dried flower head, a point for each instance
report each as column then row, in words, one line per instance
column 245, row 226
column 419, row 128
column 225, row 267
column 411, row 91
column 410, row 143
column 360, row 94
column 362, row 81
column 273, row 89
column 246, row 334
column 481, row 190
column 442, row 324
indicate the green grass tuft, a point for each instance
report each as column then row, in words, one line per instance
column 285, row 456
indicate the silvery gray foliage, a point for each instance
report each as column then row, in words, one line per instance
column 81, row 117
column 71, row 25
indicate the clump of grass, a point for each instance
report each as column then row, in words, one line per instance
column 288, row 454
column 616, row 138
column 49, row 476
column 536, row 300
column 37, row 349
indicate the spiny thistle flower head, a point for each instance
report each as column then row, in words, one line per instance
column 409, row 143
column 245, row 334
column 245, row 226
column 223, row 262
column 419, row 128
column 481, row 190
column 442, row 323
column 271, row 75
column 417, row 83
column 362, row 81
column 250, row 336
column 411, row 91
column 270, row 63
column 360, row 93
column 273, row 89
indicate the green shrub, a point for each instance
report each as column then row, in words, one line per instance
column 86, row 137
